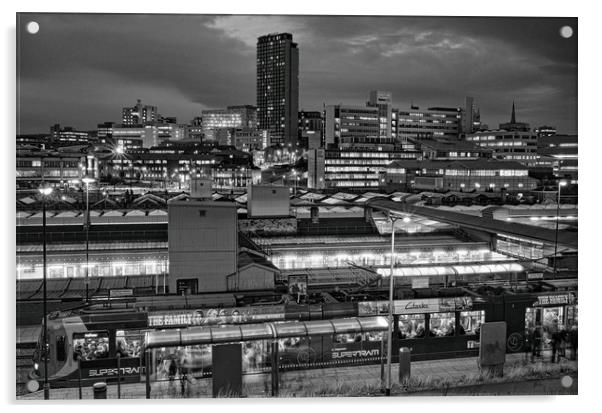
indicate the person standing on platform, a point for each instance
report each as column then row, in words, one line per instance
column 555, row 342
column 573, row 341
column 536, row 352
column 528, row 345
column 183, row 380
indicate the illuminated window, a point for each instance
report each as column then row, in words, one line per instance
column 442, row 324
column 411, row 326
column 470, row 322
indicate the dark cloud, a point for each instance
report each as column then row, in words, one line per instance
column 81, row 69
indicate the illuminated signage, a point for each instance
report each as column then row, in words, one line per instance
column 110, row 372
column 427, row 305
column 215, row 316
column 338, row 354
column 561, row 299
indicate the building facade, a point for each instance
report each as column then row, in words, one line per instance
column 139, row 114
column 433, row 123
column 278, row 87
column 57, row 168
column 383, row 101
column 68, row 136
column 352, row 169
column 515, row 145
column 449, row 150
column 347, row 126
column 562, row 150
column 469, row 175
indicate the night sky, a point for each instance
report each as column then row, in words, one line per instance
column 80, row 70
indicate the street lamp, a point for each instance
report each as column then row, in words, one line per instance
column 87, row 180
column 45, row 192
column 119, row 151
column 295, row 180
column 560, row 185
column 390, row 329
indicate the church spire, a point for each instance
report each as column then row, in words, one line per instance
column 513, row 117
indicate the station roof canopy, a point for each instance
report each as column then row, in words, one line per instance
column 263, row 331
column 565, row 238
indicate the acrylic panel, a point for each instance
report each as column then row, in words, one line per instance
column 289, row 206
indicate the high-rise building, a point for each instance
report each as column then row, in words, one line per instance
column 383, row 101
column 471, row 116
column 139, row 114
column 278, row 87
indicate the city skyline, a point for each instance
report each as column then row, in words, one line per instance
column 116, row 59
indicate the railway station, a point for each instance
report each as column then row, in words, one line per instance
column 308, row 257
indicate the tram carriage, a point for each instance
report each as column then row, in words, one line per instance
column 89, row 342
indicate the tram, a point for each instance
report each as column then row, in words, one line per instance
column 94, row 344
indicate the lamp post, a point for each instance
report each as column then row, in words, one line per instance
column 87, row 180
column 560, row 185
column 45, row 192
column 295, row 181
column 390, row 329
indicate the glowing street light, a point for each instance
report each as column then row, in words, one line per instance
column 45, row 192
column 560, row 185
column 87, row 180
column 390, row 329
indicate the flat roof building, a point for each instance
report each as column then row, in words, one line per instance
column 432, row 123
column 479, row 175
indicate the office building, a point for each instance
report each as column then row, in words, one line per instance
column 278, row 87
column 171, row 131
column 347, row 126
column 352, row 169
column 467, row 175
column 383, row 101
column 139, row 114
column 509, row 145
column 67, row 136
column 449, row 150
column 55, row 167
column 250, row 140
column 545, row 131
column 311, row 125
column 136, row 137
column 194, row 131
column 248, row 115
column 562, row 151
column 471, row 117
column 219, row 119
column 514, row 141
column 433, row 123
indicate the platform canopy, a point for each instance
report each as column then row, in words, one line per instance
column 262, row 331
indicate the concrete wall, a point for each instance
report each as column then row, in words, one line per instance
column 203, row 243
column 268, row 201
